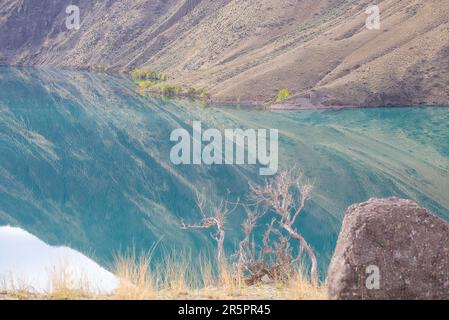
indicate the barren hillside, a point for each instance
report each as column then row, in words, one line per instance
column 248, row 49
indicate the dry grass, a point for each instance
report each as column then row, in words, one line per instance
column 140, row 279
column 65, row 287
column 174, row 279
column 62, row 286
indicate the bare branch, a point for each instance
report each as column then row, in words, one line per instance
column 213, row 217
column 286, row 194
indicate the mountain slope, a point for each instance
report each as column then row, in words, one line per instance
column 247, row 50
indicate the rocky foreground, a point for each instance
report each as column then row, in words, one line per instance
column 320, row 50
column 390, row 249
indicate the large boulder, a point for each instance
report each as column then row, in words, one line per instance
column 390, row 249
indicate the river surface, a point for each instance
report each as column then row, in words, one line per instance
column 84, row 162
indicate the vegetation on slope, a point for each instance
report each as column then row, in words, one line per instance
column 155, row 82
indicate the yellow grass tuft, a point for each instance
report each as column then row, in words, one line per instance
column 178, row 279
column 140, row 278
column 135, row 281
column 64, row 286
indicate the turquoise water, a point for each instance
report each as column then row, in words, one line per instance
column 84, row 162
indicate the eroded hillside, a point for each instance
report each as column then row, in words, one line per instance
column 247, row 50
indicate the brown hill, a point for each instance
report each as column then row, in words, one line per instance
column 247, row 50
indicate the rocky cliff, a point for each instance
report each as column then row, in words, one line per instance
column 244, row 50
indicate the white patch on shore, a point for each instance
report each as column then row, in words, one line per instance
column 28, row 263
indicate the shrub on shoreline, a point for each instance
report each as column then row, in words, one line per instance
column 283, row 94
column 141, row 74
column 156, row 82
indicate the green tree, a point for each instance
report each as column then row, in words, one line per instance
column 202, row 93
column 168, row 90
column 149, row 75
column 136, row 74
column 283, row 94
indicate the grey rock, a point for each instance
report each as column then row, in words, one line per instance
column 406, row 246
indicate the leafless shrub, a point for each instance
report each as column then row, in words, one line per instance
column 273, row 258
column 213, row 216
column 286, row 195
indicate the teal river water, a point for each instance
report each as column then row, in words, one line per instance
column 84, row 161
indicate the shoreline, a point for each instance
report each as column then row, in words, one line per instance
column 304, row 104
